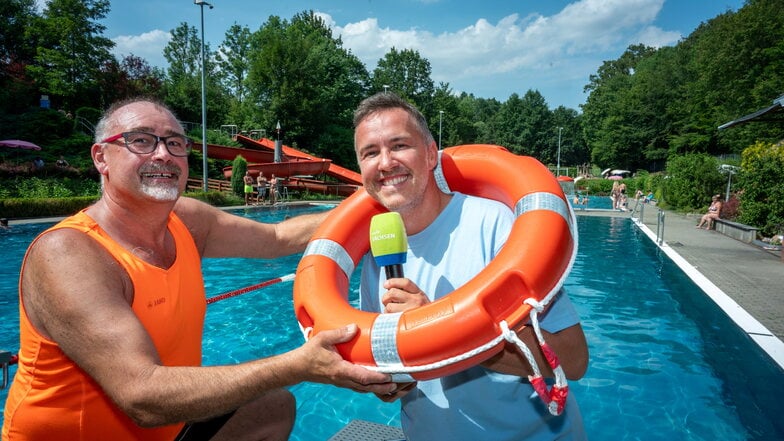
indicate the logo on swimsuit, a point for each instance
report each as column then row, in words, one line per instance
column 156, row 302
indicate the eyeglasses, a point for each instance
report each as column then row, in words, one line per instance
column 143, row 143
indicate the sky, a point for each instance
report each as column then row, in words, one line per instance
column 489, row 48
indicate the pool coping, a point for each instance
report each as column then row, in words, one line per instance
column 761, row 335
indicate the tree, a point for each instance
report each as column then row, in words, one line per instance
column 761, row 178
column 525, row 126
column 574, row 150
column 71, row 50
column 301, row 76
column 132, row 76
column 183, row 86
column 238, row 168
column 407, row 74
column 607, row 124
column 233, row 60
column 16, row 53
column 14, row 47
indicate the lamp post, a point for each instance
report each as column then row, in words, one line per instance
column 558, row 164
column 201, row 4
column 730, row 169
column 440, row 121
column 386, row 88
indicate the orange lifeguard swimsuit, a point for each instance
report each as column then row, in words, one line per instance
column 52, row 398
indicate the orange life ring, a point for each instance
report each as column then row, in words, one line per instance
column 461, row 329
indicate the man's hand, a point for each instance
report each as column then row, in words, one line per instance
column 401, row 390
column 402, row 294
column 324, row 364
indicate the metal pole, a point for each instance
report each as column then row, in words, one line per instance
column 440, row 120
column 201, row 5
column 729, row 182
column 558, row 166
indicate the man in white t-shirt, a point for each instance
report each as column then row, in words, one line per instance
column 451, row 238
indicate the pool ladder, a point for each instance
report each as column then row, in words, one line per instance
column 659, row 220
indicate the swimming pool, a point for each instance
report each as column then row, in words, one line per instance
column 666, row 364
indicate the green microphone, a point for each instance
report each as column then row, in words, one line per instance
column 388, row 242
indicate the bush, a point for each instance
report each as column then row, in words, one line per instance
column 20, row 208
column 238, row 169
column 761, row 178
column 691, row 181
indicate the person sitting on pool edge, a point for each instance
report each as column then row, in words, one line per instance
column 397, row 154
column 112, row 304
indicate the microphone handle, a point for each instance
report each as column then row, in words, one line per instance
column 394, row 271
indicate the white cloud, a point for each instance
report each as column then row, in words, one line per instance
column 577, row 39
column 148, row 45
column 656, row 37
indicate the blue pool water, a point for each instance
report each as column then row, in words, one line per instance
column 666, row 364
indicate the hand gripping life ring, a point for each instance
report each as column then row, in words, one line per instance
column 472, row 323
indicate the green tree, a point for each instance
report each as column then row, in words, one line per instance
column 691, row 181
column 761, row 179
column 574, row 150
column 407, row 74
column 183, row 85
column 233, row 60
column 15, row 49
column 525, row 126
column 132, row 76
column 301, row 76
column 238, row 169
column 608, row 127
column 16, row 52
column 71, row 50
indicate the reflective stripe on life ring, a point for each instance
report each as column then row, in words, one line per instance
column 464, row 328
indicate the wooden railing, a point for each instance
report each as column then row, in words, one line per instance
column 196, row 184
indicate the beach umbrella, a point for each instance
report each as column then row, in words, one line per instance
column 615, row 177
column 19, row 144
column 620, row 172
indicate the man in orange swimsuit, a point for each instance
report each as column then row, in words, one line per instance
column 112, row 305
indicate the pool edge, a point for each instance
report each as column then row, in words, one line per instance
column 765, row 339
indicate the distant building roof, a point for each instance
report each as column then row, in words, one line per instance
column 774, row 113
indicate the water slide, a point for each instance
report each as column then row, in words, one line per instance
column 260, row 155
column 342, row 174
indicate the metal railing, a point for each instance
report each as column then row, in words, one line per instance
column 660, row 228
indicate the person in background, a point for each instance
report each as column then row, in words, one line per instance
column 273, row 189
column 248, row 181
column 261, row 185
column 615, row 195
column 714, row 212
column 4, row 224
column 111, row 328
column 62, row 163
column 451, row 238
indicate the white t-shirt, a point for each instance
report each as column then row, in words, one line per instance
column 477, row 403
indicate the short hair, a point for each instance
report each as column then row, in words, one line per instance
column 104, row 123
column 387, row 101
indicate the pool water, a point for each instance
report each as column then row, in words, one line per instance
column 666, row 363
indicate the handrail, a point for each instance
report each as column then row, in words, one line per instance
column 86, row 124
column 639, row 206
column 660, row 228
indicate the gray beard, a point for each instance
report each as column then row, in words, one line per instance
column 161, row 193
